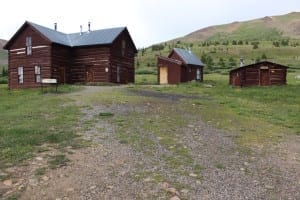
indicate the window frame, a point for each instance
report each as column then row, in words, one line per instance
column 20, row 74
column 28, row 46
column 37, row 73
column 123, row 47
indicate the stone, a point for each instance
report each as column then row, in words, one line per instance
column 70, row 189
column 164, row 185
column 172, row 190
column 33, row 182
column 109, row 187
column 191, row 126
column 39, row 158
column 242, row 169
column 93, row 187
column 175, row 198
column 7, row 182
column 3, row 188
column 193, row 175
column 149, row 179
column 21, row 187
column 184, row 191
column 269, row 187
column 246, row 163
column 45, row 178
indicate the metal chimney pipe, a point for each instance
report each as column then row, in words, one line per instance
column 89, row 26
column 55, row 26
column 80, row 29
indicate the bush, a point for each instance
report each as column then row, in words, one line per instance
column 146, row 71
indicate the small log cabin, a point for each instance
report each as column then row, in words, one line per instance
column 180, row 66
column 36, row 52
column 259, row 74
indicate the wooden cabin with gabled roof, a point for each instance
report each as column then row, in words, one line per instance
column 180, row 66
column 263, row 73
column 37, row 52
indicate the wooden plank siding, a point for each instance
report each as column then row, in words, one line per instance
column 91, row 62
column 263, row 73
column 95, row 57
column 41, row 56
column 122, row 58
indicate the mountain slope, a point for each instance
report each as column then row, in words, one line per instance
column 3, row 54
column 276, row 39
column 267, row 28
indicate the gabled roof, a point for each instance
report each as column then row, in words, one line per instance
column 188, row 57
column 259, row 63
column 178, row 62
column 95, row 37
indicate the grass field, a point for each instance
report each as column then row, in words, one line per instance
column 29, row 118
column 259, row 114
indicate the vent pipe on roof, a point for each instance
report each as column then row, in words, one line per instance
column 89, row 26
column 189, row 50
column 55, row 26
column 80, row 29
column 241, row 61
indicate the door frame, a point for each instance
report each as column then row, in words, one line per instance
column 262, row 73
column 89, row 69
column 164, row 75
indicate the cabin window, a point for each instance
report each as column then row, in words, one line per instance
column 20, row 75
column 123, row 47
column 198, row 74
column 28, row 46
column 37, row 73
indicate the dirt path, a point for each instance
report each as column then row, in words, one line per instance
column 197, row 162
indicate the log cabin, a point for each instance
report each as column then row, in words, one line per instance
column 180, row 66
column 36, row 52
column 259, row 74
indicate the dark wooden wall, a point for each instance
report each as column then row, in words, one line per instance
column 125, row 61
column 97, row 58
column 61, row 63
column 41, row 56
column 174, row 70
column 263, row 74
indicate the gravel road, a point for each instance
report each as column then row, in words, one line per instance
column 110, row 169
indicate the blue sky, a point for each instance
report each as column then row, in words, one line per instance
column 148, row 21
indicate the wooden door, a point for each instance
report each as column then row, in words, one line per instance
column 264, row 77
column 163, row 75
column 61, row 75
column 89, row 74
column 118, row 74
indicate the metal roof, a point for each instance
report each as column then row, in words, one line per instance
column 97, row 37
column 188, row 57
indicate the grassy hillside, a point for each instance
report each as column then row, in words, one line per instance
column 267, row 28
column 220, row 47
column 3, row 55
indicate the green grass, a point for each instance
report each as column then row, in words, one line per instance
column 258, row 114
column 29, row 118
column 58, row 161
column 145, row 79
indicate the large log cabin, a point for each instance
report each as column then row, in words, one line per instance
column 37, row 52
column 180, row 66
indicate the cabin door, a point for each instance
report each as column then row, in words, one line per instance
column 61, row 75
column 89, row 74
column 264, row 77
column 163, row 75
column 118, row 74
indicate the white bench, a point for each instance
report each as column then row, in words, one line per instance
column 50, row 81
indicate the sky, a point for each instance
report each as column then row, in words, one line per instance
column 148, row 21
